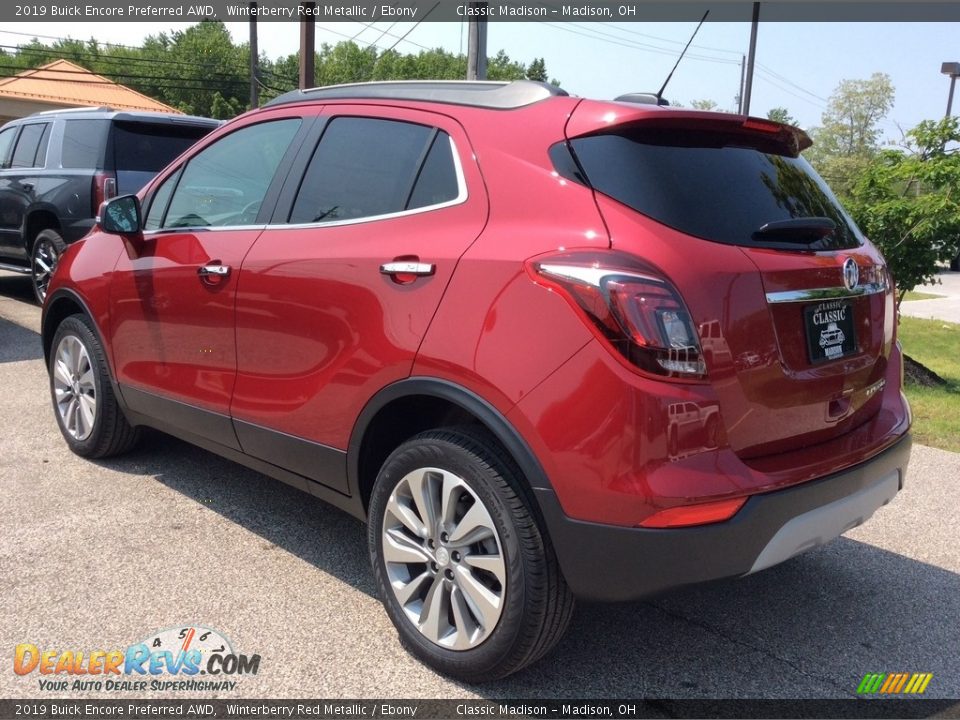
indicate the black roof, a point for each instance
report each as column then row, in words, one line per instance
column 493, row 95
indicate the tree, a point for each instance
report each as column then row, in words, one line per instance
column 907, row 201
column 537, row 70
column 704, row 105
column 781, row 115
column 849, row 136
column 201, row 71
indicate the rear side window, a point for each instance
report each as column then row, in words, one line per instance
column 367, row 167
column 151, row 147
column 713, row 185
column 83, row 144
column 31, row 147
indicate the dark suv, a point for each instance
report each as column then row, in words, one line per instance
column 546, row 346
column 57, row 167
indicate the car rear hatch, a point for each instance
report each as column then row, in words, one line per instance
column 793, row 306
column 139, row 149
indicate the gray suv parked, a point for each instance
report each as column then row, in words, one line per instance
column 56, row 168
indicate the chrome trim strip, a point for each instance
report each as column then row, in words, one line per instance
column 831, row 293
column 590, row 275
column 15, row 269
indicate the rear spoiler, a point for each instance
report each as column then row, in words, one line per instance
column 594, row 117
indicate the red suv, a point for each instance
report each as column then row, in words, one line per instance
column 546, row 346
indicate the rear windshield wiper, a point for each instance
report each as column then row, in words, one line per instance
column 799, row 230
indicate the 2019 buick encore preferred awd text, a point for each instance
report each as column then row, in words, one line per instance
column 548, row 347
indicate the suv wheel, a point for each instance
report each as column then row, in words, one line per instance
column 87, row 412
column 467, row 577
column 47, row 249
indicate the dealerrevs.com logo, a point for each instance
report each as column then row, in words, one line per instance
column 186, row 658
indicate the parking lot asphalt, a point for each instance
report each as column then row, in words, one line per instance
column 99, row 555
column 945, row 307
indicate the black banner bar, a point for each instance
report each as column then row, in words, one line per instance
column 332, row 11
column 491, row 709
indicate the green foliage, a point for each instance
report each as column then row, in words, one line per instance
column 781, row 115
column 705, row 104
column 907, row 201
column 202, row 72
column 851, row 122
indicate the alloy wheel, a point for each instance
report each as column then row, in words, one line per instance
column 444, row 558
column 74, row 386
column 45, row 258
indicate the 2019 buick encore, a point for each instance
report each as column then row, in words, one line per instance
column 548, row 347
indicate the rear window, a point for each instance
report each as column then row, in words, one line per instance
column 83, row 143
column 713, row 185
column 150, row 148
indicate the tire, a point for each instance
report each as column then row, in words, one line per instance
column 487, row 568
column 85, row 406
column 47, row 248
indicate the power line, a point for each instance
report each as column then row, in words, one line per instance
column 415, row 26
column 68, row 54
column 622, row 42
column 613, row 26
column 64, row 54
column 770, row 81
column 112, row 83
column 791, row 83
column 118, row 75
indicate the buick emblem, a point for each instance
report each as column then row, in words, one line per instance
column 851, row 274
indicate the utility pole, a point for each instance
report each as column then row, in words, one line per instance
column 748, row 85
column 743, row 68
column 254, row 59
column 477, row 42
column 308, row 44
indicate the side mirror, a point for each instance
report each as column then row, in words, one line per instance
column 121, row 216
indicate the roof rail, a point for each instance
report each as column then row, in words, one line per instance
column 72, row 110
column 493, row 95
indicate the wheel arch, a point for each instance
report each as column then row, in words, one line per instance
column 36, row 221
column 60, row 305
column 408, row 407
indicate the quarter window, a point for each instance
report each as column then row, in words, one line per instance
column 225, row 183
column 366, row 167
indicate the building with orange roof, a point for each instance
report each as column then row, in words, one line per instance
column 62, row 84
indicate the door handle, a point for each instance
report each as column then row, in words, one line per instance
column 207, row 270
column 214, row 273
column 407, row 267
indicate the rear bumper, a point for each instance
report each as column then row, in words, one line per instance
column 605, row 562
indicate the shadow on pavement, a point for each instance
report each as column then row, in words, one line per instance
column 16, row 287
column 810, row 628
column 17, row 343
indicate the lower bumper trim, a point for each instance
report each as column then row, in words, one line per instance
column 612, row 563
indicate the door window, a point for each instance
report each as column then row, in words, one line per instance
column 31, row 148
column 224, row 184
column 6, row 142
column 367, row 167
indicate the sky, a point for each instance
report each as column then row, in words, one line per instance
column 799, row 65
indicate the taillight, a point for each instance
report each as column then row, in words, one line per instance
column 104, row 187
column 638, row 313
